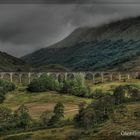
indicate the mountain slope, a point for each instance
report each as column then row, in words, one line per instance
column 114, row 46
column 10, row 63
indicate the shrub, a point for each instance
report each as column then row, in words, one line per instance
column 58, row 114
column 11, row 120
column 6, row 118
column 2, row 95
column 119, row 114
column 134, row 93
column 98, row 94
column 22, row 117
column 126, row 93
column 119, row 95
column 7, row 86
column 5, row 114
column 95, row 113
column 137, row 114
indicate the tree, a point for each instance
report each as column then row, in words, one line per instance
column 22, row 117
column 7, row 86
column 59, row 110
column 6, row 118
column 90, row 118
column 95, row 113
column 2, row 97
column 98, row 93
column 119, row 113
column 58, row 114
column 137, row 114
column 5, row 114
column 103, row 107
column 86, row 118
column 135, row 94
column 119, row 95
column 76, row 87
column 44, row 83
column 78, row 119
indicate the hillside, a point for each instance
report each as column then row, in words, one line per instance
column 38, row 102
column 10, row 63
column 114, row 46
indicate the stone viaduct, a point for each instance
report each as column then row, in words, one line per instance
column 94, row 76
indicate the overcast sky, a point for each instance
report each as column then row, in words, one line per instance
column 25, row 28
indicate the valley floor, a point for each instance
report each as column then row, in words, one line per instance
column 108, row 130
column 40, row 102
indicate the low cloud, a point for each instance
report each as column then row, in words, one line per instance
column 26, row 28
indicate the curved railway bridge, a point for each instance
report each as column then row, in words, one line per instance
column 88, row 75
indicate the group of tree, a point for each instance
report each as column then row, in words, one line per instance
column 74, row 86
column 106, row 107
column 2, row 95
column 44, row 83
column 95, row 113
column 20, row 118
column 5, row 86
column 127, row 93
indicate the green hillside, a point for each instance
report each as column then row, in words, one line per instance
column 10, row 63
column 39, row 102
column 114, row 46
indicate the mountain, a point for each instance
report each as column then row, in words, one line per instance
column 10, row 63
column 113, row 46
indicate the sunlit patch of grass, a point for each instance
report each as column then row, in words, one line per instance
column 27, row 97
column 109, row 86
column 47, row 134
column 40, row 102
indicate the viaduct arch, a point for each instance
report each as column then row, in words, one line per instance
column 94, row 76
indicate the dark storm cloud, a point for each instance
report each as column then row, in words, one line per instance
column 66, row 1
column 25, row 28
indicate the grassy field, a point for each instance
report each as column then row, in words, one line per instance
column 48, row 134
column 109, row 86
column 40, row 102
column 109, row 130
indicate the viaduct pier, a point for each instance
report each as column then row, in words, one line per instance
column 94, row 76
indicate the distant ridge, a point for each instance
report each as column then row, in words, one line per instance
column 11, row 63
column 113, row 46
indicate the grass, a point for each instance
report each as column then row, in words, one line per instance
column 48, row 134
column 40, row 102
column 109, row 130
column 128, row 124
column 109, row 86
